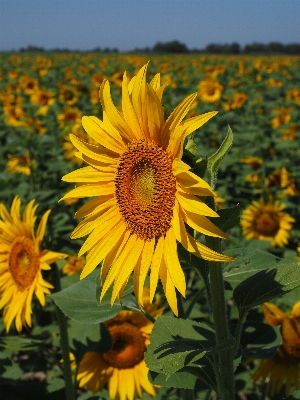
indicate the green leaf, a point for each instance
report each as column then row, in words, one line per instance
column 229, row 218
column 294, row 396
column 169, row 351
column 55, row 384
column 79, row 302
column 249, row 260
column 215, row 160
column 260, row 340
column 267, row 284
column 21, row 343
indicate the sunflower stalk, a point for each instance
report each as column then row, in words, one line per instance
column 219, row 311
column 64, row 339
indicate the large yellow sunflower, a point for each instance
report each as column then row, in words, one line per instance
column 22, row 262
column 123, row 367
column 283, row 368
column 144, row 194
column 267, row 221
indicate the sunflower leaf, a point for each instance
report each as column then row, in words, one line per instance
column 215, row 160
column 267, row 284
column 229, row 218
column 79, row 301
column 169, row 351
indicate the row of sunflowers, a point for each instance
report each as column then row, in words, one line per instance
column 46, row 135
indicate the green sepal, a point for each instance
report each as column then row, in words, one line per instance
column 215, row 160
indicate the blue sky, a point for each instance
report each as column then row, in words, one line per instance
column 127, row 24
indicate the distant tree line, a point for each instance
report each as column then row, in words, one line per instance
column 177, row 47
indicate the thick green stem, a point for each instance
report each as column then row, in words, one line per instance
column 219, row 310
column 64, row 340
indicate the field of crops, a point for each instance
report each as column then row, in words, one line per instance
column 42, row 100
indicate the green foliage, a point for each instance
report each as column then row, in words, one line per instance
column 267, row 284
column 215, row 160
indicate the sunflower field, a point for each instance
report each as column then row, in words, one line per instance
column 116, row 192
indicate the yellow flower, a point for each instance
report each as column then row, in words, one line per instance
column 254, row 162
column 210, row 90
column 73, row 265
column 122, row 367
column 44, row 99
column 144, row 194
column 267, row 221
column 68, row 95
column 283, row 179
column 19, row 164
column 69, row 115
column 22, row 262
column 283, row 117
column 284, row 366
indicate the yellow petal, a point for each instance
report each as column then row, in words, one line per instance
column 99, row 252
column 176, row 117
column 273, row 314
column 112, row 113
column 145, row 265
column 172, row 263
column 90, row 191
column 191, row 203
column 202, row 224
column 127, row 268
column 98, row 153
column 96, row 129
column 118, row 264
column 169, row 288
column 129, row 111
column 155, row 266
column 88, row 174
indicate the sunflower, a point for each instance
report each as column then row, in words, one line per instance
column 283, row 179
column 19, row 164
column 44, row 99
column 122, row 367
column 144, row 194
column 210, row 90
column 283, row 117
column 254, row 162
column 22, row 262
column 73, row 265
column 70, row 115
column 267, row 221
column 284, row 366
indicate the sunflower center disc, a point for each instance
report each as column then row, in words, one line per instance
column 128, row 346
column 145, row 189
column 24, row 263
column 267, row 224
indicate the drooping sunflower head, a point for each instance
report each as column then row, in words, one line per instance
column 283, row 368
column 267, row 221
column 124, row 361
column 143, row 193
column 21, row 263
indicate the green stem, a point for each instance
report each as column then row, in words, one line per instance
column 64, row 340
column 238, row 332
column 219, row 311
